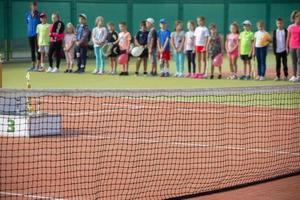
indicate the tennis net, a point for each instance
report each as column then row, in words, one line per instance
column 145, row 144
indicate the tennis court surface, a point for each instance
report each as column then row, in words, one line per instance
column 145, row 144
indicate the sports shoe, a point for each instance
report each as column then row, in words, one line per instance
column 277, row 79
column 194, row 75
column 126, row 73
column 211, row 77
column 70, row 71
column 181, row 75
column 285, row 78
column 41, row 69
column 122, row 74
column 262, row 78
column 243, row 77
column 54, row 70
column 100, row 73
column 257, row 78
column 136, row 73
column 188, row 75
column 145, row 73
column 293, row 79
column 248, row 77
column 95, row 71
column 66, row 71
column 220, row 76
column 167, row 74
column 176, row 75
column 49, row 69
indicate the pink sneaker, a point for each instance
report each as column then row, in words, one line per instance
column 188, row 75
column 199, row 75
column 194, row 75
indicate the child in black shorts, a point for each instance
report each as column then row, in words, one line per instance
column 140, row 40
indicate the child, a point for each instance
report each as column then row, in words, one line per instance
column 152, row 45
column 261, row 41
column 190, row 49
column 56, row 34
column 42, row 31
column 177, row 42
column 99, row 35
column 112, row 38
column 293, row 43
column 279, row 48
column 246, row 39
column 215, row 48
column 140, row 40
column 232, row 49
column 69, row 44
column 81, row 45
column 201, row 41
column 163, row 44
column 124, row 44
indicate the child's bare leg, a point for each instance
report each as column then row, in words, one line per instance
column 145, row 64
column 250, row 67
column 138, row 64
column 220, row 70
column 231, row 66
column 212, row 70
column 235, row 65
column 245, row 67
column 204, row 62
column 199, row 62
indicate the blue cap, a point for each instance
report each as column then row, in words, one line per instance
column 163, row 21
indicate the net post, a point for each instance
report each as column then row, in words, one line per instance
column 1, row 68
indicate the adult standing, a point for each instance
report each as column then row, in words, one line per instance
column 32, row 19
column 152, row 45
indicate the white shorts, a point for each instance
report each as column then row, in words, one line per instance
column 44, row 49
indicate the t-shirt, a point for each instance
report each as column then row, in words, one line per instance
column 178, row 38
column 261, row 38
column 294, row 31
column 99, row 35
column 43, row 34
column 280, row 40
column 112, row 36
column 201, row 33
column 246, row 38
column 142, row 37
column 215, row 45
column 189, row 41
column 152, row 36
column 124, row 40
column 69, row 39
column 163, row 35
column 32, row 22
column 232, row 41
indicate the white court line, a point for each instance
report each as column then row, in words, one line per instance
column 191, row 144
column 17, row 194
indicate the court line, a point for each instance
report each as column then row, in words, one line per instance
column 29, row 195
column 191, row 144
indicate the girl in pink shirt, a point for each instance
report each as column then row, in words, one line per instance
column 124, row 41
column 232, row 49
column 293, row 45
column 69, row 43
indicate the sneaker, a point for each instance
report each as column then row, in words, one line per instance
column 30, row 69
column 243, row 77
column 95, row 71
column 194, row 75
column 248, row 77
column 200, row 76
column 41, row 69
column 285, row 78
column 257, row 78
column 54, row 70
column 100, row 73
column 181, row 75
column 188, row 75
column 126, row 73
column 122, row 74
column 211, row 77
column 145, row 73
column 262, row 78
column 234, row 77
column 70, row 71
column 176, row 75
column 77, row 71
column 293, row 79
column 49, row 69
column 66, row 71
column 277, row 79
column 162, row 74
column 136, row 73
column 167, row 74
column 220, row 76
column 230, row 77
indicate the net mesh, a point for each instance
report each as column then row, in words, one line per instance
column 144, row 144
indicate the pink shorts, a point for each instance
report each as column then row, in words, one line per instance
column 233, row 54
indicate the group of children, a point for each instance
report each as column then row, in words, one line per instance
column 197, row 44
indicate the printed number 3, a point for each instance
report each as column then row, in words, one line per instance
column 10, row 125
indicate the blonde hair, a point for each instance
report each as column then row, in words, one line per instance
column 260, row 23
column 99, row 18
column 70, row 25
column 191, row 22
column 294, row 14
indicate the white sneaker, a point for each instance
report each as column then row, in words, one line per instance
column 257, row 78
column 262, row 78
column 293, row 79
column 181, row 75
column 100, row 72
column 54, row 70
column 95, row 71
column 176, row 75
column 49, row 69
